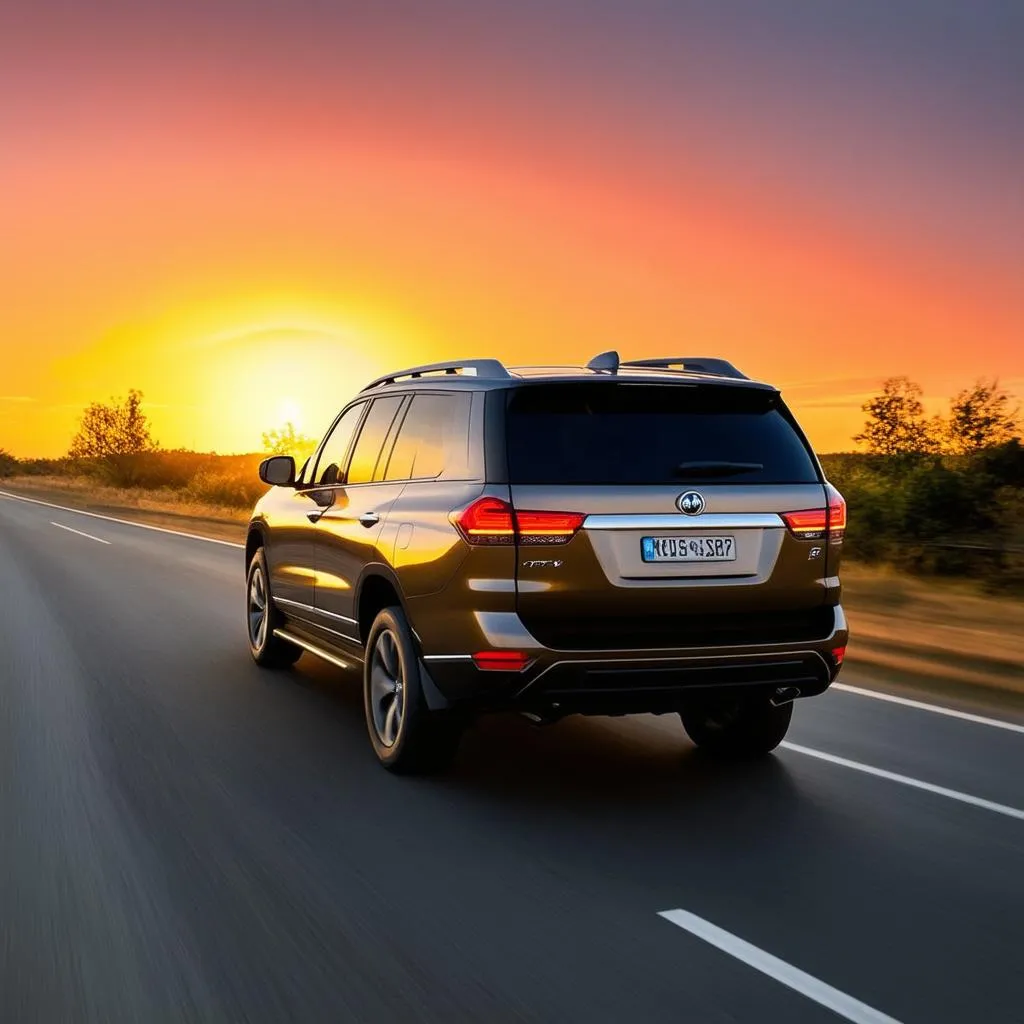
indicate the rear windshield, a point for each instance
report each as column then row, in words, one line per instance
column 604, row 433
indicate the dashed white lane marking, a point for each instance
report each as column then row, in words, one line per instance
column 921, row 705
column 800, row 981
column 122, row 522
column 906, row 780
column 61, row 526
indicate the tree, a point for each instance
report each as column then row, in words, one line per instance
column 110, row 431
column 287, row 441
column 981, row 417
column 9, row 465
column 896, row 423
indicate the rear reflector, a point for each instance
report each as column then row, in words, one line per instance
column 501, row 661
column 838, row 655
column 493, row 521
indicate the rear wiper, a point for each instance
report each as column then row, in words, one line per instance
column 717, row 468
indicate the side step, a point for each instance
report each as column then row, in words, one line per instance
column 306, row 645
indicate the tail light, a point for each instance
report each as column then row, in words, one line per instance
column 839, row 655
column 814, row 523
column 493, row 521
column 486, row 521
column 501, row 661
column 836, row 515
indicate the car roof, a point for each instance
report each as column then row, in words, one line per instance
column 490, row 374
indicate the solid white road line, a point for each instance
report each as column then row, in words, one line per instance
column 122, row 522
column 906, row 780
column 807, row 985
column 923, row 706
column 60, row 526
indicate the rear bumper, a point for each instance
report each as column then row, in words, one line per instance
column 632, row 681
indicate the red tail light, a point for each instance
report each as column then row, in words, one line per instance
column 501, row 661
column 810, row 524
column 486, row 521
column 547, row 527
column 814, row 523
column 493, row 521
column 838, row 655
column 836, row 514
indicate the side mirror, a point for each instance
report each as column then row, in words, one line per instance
column 278, row 471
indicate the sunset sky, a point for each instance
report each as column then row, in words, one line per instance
column 247, row 207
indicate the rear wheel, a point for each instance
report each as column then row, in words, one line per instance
column 738, row 728
column 407, row 736
column 262, row 618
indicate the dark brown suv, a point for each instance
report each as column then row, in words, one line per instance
column 652, row 536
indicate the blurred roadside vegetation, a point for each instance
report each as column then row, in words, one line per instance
column 940, row 495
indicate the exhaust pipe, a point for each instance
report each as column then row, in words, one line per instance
column 784, row 695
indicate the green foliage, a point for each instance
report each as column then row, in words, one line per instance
column 112, row 439
column 896, row 423
column 981, row 417
column 9, row 465
column 287, row 441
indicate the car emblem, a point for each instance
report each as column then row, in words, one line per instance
column 690, row 504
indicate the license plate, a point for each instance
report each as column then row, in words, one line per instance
column 688, row 549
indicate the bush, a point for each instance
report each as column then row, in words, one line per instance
column 9, row 465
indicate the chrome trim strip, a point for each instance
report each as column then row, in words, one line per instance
column 677, row 521
column 509, row 586
column 317, row 611
column 313, row 649
column 447, row 657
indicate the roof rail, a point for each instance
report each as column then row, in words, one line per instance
column 691, row 364
column 468, row 367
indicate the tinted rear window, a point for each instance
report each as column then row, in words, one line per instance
column 603, row 433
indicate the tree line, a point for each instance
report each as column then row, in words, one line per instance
column 929, row 494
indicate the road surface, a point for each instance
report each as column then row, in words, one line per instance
column 186, row 837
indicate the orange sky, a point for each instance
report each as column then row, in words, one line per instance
column 248, row 230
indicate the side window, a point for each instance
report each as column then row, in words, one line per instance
column 434, row 439
column 332, row 455
column 376, row 428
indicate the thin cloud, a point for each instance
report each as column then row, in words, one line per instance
column 16, row 398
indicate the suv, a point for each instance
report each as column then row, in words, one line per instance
column 649, row 536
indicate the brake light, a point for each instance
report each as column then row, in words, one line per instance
column 493, row 521
column 547, row 527
column 814, row 523
column 836, row 515
column 486, row 521
column 500, row 661
column 838, row 655
column 810, row 524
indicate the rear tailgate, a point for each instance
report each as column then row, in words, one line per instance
column 640, row 573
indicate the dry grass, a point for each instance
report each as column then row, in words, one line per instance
column 165, row 507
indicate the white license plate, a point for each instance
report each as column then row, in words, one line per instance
column 688, row 549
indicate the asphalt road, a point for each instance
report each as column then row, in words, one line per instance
column 186, row 837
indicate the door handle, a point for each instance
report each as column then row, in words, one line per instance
column 369, row 519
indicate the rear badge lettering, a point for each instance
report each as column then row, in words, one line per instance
column 547, row 563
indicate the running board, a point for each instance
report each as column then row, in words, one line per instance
column 334, row 659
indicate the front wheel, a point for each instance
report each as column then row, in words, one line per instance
column 407, row 737
column 738, row 729
column 262, row 618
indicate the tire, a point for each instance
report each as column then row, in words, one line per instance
column 407, row 737
column 738, row 729
column 267, row 650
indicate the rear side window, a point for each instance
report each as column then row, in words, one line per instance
column 367, row 451
column 433, row 440
column 605, row 433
